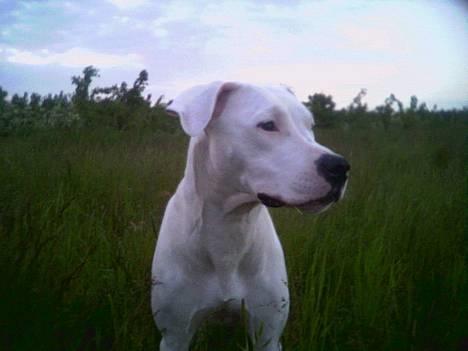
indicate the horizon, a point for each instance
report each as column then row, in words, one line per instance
column 331, row 47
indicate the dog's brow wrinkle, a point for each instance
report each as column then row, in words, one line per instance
column 288, row 89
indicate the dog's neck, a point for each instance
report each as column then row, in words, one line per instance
column 222, row 221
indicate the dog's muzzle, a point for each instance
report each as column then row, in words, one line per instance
column 334, row 169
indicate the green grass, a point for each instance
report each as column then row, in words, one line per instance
column 383, row 270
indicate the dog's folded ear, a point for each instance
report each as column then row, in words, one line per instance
column 197, row 106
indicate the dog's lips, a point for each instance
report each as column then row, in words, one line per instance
column 270, row 201
column 311, row 205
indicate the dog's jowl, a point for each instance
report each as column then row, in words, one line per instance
column 251, row 147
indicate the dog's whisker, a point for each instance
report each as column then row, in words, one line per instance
column 298, row 210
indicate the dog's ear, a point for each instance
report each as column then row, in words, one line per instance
column 197, row 106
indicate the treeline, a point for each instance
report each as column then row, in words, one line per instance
column 391, row 112
column 118, row 107
column 125, row 107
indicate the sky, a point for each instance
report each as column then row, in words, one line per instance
column 406, row 47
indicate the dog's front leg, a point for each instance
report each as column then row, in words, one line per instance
column 173, row 313
column 268, row 310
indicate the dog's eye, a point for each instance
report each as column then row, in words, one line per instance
column 269, row 126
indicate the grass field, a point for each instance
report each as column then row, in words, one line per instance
column 385, row 269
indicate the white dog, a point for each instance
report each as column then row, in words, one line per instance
column 218, row 249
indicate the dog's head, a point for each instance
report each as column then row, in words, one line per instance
column 262, row 140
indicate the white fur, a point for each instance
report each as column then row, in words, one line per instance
column 217, row 248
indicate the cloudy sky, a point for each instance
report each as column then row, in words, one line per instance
column 336, row 47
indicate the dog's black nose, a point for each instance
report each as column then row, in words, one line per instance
column 333, row 168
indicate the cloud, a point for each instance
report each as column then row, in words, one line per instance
column 75, row 57
column 128, row 4
column 172, row 12
column 160, row 32
column 121, row 19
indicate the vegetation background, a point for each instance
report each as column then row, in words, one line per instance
column 84, row 180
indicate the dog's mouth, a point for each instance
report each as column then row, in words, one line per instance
column 313, row 205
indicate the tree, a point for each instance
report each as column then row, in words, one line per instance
column 413, row 103
column 320, row 102
column 386, row 111
column 357, row 105
column 323, row 107
column 35, row 101
column 391, row 100
column 134, row 95
column 3, row 100
column 83, row 83
column 20, row 102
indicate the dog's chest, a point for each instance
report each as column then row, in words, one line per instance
column 231, row 252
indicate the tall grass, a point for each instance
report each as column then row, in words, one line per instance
column 383, row 270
